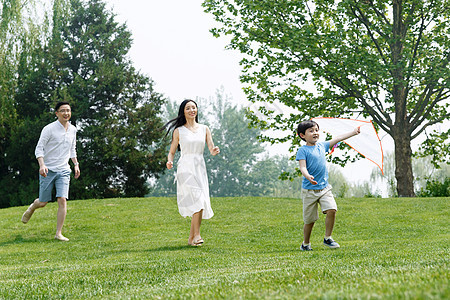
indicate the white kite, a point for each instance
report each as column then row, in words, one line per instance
column 367, row 143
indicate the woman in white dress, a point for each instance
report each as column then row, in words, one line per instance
column 192, row 180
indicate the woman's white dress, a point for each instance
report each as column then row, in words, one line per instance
column 192, row 180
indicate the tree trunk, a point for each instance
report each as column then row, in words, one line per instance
column 403, row 164
column 400, row 131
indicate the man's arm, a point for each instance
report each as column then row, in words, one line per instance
column 39, row 151
column 76, row 167
column 73, row 156
column 42, row 168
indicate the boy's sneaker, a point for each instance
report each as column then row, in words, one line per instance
column 306, row 248
column 330, row 243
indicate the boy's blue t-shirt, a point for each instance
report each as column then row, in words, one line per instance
column 315, row 164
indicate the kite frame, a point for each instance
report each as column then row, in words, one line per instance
column 362, row 121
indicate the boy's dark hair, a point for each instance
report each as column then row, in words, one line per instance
column 61, row 103
column 305, row 125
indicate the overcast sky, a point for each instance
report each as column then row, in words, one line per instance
column 173, row 46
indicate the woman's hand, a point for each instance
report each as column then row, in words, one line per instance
column 215, row 151
column 169, row 165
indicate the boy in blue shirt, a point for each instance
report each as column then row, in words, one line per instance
column 315, row 187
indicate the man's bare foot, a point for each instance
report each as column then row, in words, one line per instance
column 27, row 214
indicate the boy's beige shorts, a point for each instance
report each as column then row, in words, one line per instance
column 311, row 199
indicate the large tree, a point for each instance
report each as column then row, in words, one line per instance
column 115, row 108
column 10, row 21
column 232, row 172
column 22, row 29
column 384, row 60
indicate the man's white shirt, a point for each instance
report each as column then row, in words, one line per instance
column 57, row 145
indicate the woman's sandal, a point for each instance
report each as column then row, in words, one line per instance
column 195, row 243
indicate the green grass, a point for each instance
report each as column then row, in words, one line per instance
column 137, row 248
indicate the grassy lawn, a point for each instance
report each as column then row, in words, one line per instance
column 137, row 248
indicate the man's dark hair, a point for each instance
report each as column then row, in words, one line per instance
column 59, row 104
column 305, row 125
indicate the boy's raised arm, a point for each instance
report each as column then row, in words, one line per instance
column 344, row 136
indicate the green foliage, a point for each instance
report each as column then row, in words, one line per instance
column 385, row 60
column 237, row 169
column 114, row 107
column 424, row 171
column 388, row 177
column 121, row 248
column 437, row 147
column 275, row 177
column 341, row 188
column 21, row 30
column 436, row 188
column 241, row 168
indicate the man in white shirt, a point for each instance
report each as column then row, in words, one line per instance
column 56, row 145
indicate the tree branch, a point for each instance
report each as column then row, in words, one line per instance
column 379, row 14
column 379, row 106
column 353, row 92
column 366, row 23
column 377, row 102
column 421, row 104
column 382, row 123
column 408, row 19
column 416, row 46
column 425, row 115
column 416, row 112
column 429, row 124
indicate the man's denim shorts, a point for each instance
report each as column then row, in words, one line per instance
column 60, row 180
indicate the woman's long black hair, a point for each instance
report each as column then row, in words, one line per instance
column 180, row 120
